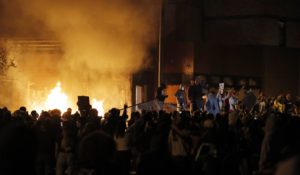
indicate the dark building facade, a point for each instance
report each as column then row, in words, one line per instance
column 240, row 40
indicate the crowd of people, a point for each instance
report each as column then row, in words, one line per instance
column 218, row 135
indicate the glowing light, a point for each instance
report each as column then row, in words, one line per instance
column 37, row 107
column 98, row 104
column 57, row 99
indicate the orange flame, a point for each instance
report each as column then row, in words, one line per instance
column 57, row 99
column 98, row 104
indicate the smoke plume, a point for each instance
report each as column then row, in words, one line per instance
column 103, row 43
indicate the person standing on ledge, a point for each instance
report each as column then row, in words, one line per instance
column 199, row 94
column 181, row 98
column 192, row 96
column 161, row 95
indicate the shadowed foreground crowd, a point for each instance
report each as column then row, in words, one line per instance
column 230, row 143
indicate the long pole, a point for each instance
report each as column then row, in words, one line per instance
column 160, row 42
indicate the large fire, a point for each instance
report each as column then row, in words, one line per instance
column 91, row 53
column 57, row 99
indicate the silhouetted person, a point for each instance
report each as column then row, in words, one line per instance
column 66, row 151
column 161, row 95
column 123, row 151
column 271, row 145
column 96, row 152
column 192, row 96
column 181, row 98
column 198, row 94
column 46, row 137
column 34, row 115
column 17, row 150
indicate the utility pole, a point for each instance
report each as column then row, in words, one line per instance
column 161, row 43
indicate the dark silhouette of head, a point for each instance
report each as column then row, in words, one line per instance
column 95, row 150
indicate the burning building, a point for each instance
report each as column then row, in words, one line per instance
column 109, row 49
column 91, row 48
